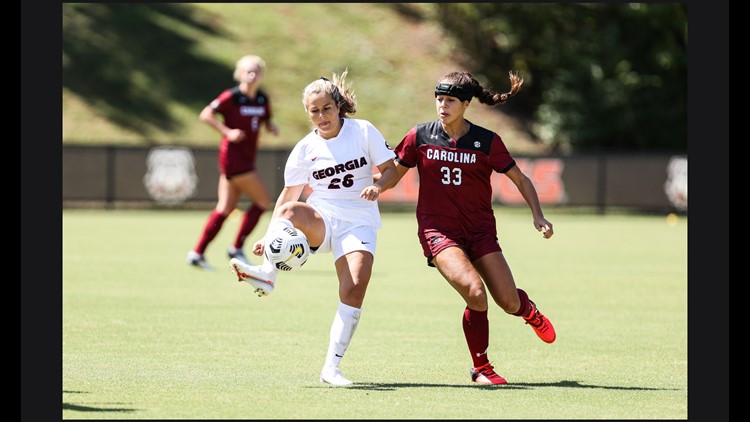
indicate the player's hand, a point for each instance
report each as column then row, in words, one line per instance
column 370, row 193
column 544, row 226
column 258, row 247
column 273, row 128
column 235, row 135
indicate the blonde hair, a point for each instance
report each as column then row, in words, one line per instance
column 245, row 62
column 339, row 90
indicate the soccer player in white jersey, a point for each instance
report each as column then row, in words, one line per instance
column 337, row 159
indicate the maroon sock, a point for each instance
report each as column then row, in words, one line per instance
column 526, row 306
column 477, row 333
column 210, row 230
column 249, row 221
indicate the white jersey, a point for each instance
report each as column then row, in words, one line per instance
column 337, row 169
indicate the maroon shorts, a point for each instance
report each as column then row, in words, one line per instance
column 235, row 164
column 235, row 169
column 231, row 174
column 475, row 246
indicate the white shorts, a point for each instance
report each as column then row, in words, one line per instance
column 343, row 237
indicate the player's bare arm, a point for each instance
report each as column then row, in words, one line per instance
column 528, row 191
column 387, row 172
column 387, row 181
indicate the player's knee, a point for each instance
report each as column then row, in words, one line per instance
column 353, row 296
column 286, row 210
column 508, row 304
column 264, row 205
column 476, row 297
column 296, row 212
column 223, row 210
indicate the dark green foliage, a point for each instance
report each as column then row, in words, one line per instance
column 126, row 59
column 597, row 76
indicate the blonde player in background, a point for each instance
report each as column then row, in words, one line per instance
column 244, row 110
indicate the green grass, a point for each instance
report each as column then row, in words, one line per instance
column 145, row 336
column 150, row 93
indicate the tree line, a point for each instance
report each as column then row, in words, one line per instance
column 597, row 76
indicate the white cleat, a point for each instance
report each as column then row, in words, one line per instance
column 334, row 377
column 261, row 281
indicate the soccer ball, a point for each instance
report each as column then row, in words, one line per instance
column 287, row 249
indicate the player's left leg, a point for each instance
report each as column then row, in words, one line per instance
column 342, row 330
column 499, row 280
column 454, row 265
column 354, row 251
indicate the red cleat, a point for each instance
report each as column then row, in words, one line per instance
column 541, row 325
column 486, row 374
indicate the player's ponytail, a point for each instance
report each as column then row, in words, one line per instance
column 463, row 82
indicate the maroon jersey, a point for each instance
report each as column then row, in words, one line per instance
column 241, row 112
column 455, row 194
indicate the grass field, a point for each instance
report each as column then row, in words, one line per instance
column 140, row 99
column 146, row 336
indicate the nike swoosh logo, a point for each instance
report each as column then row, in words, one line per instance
column 314, row 158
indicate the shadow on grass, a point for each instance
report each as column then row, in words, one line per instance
column 125, row 59
column 79, row 408
column 75, row 407
column 512, row 386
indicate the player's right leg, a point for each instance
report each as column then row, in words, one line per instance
column 261, row 277
column 486, row 374
column 228, row 198
column 251, row 185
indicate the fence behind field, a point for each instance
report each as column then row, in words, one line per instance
column 180, row 177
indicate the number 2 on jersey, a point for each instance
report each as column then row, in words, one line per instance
column 347, row 182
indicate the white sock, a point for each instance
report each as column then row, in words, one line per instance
column 279, row 223
column 342, row 330
column 276, row 223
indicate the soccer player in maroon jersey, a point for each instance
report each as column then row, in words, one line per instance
column 455, row 159
column 244, row 110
